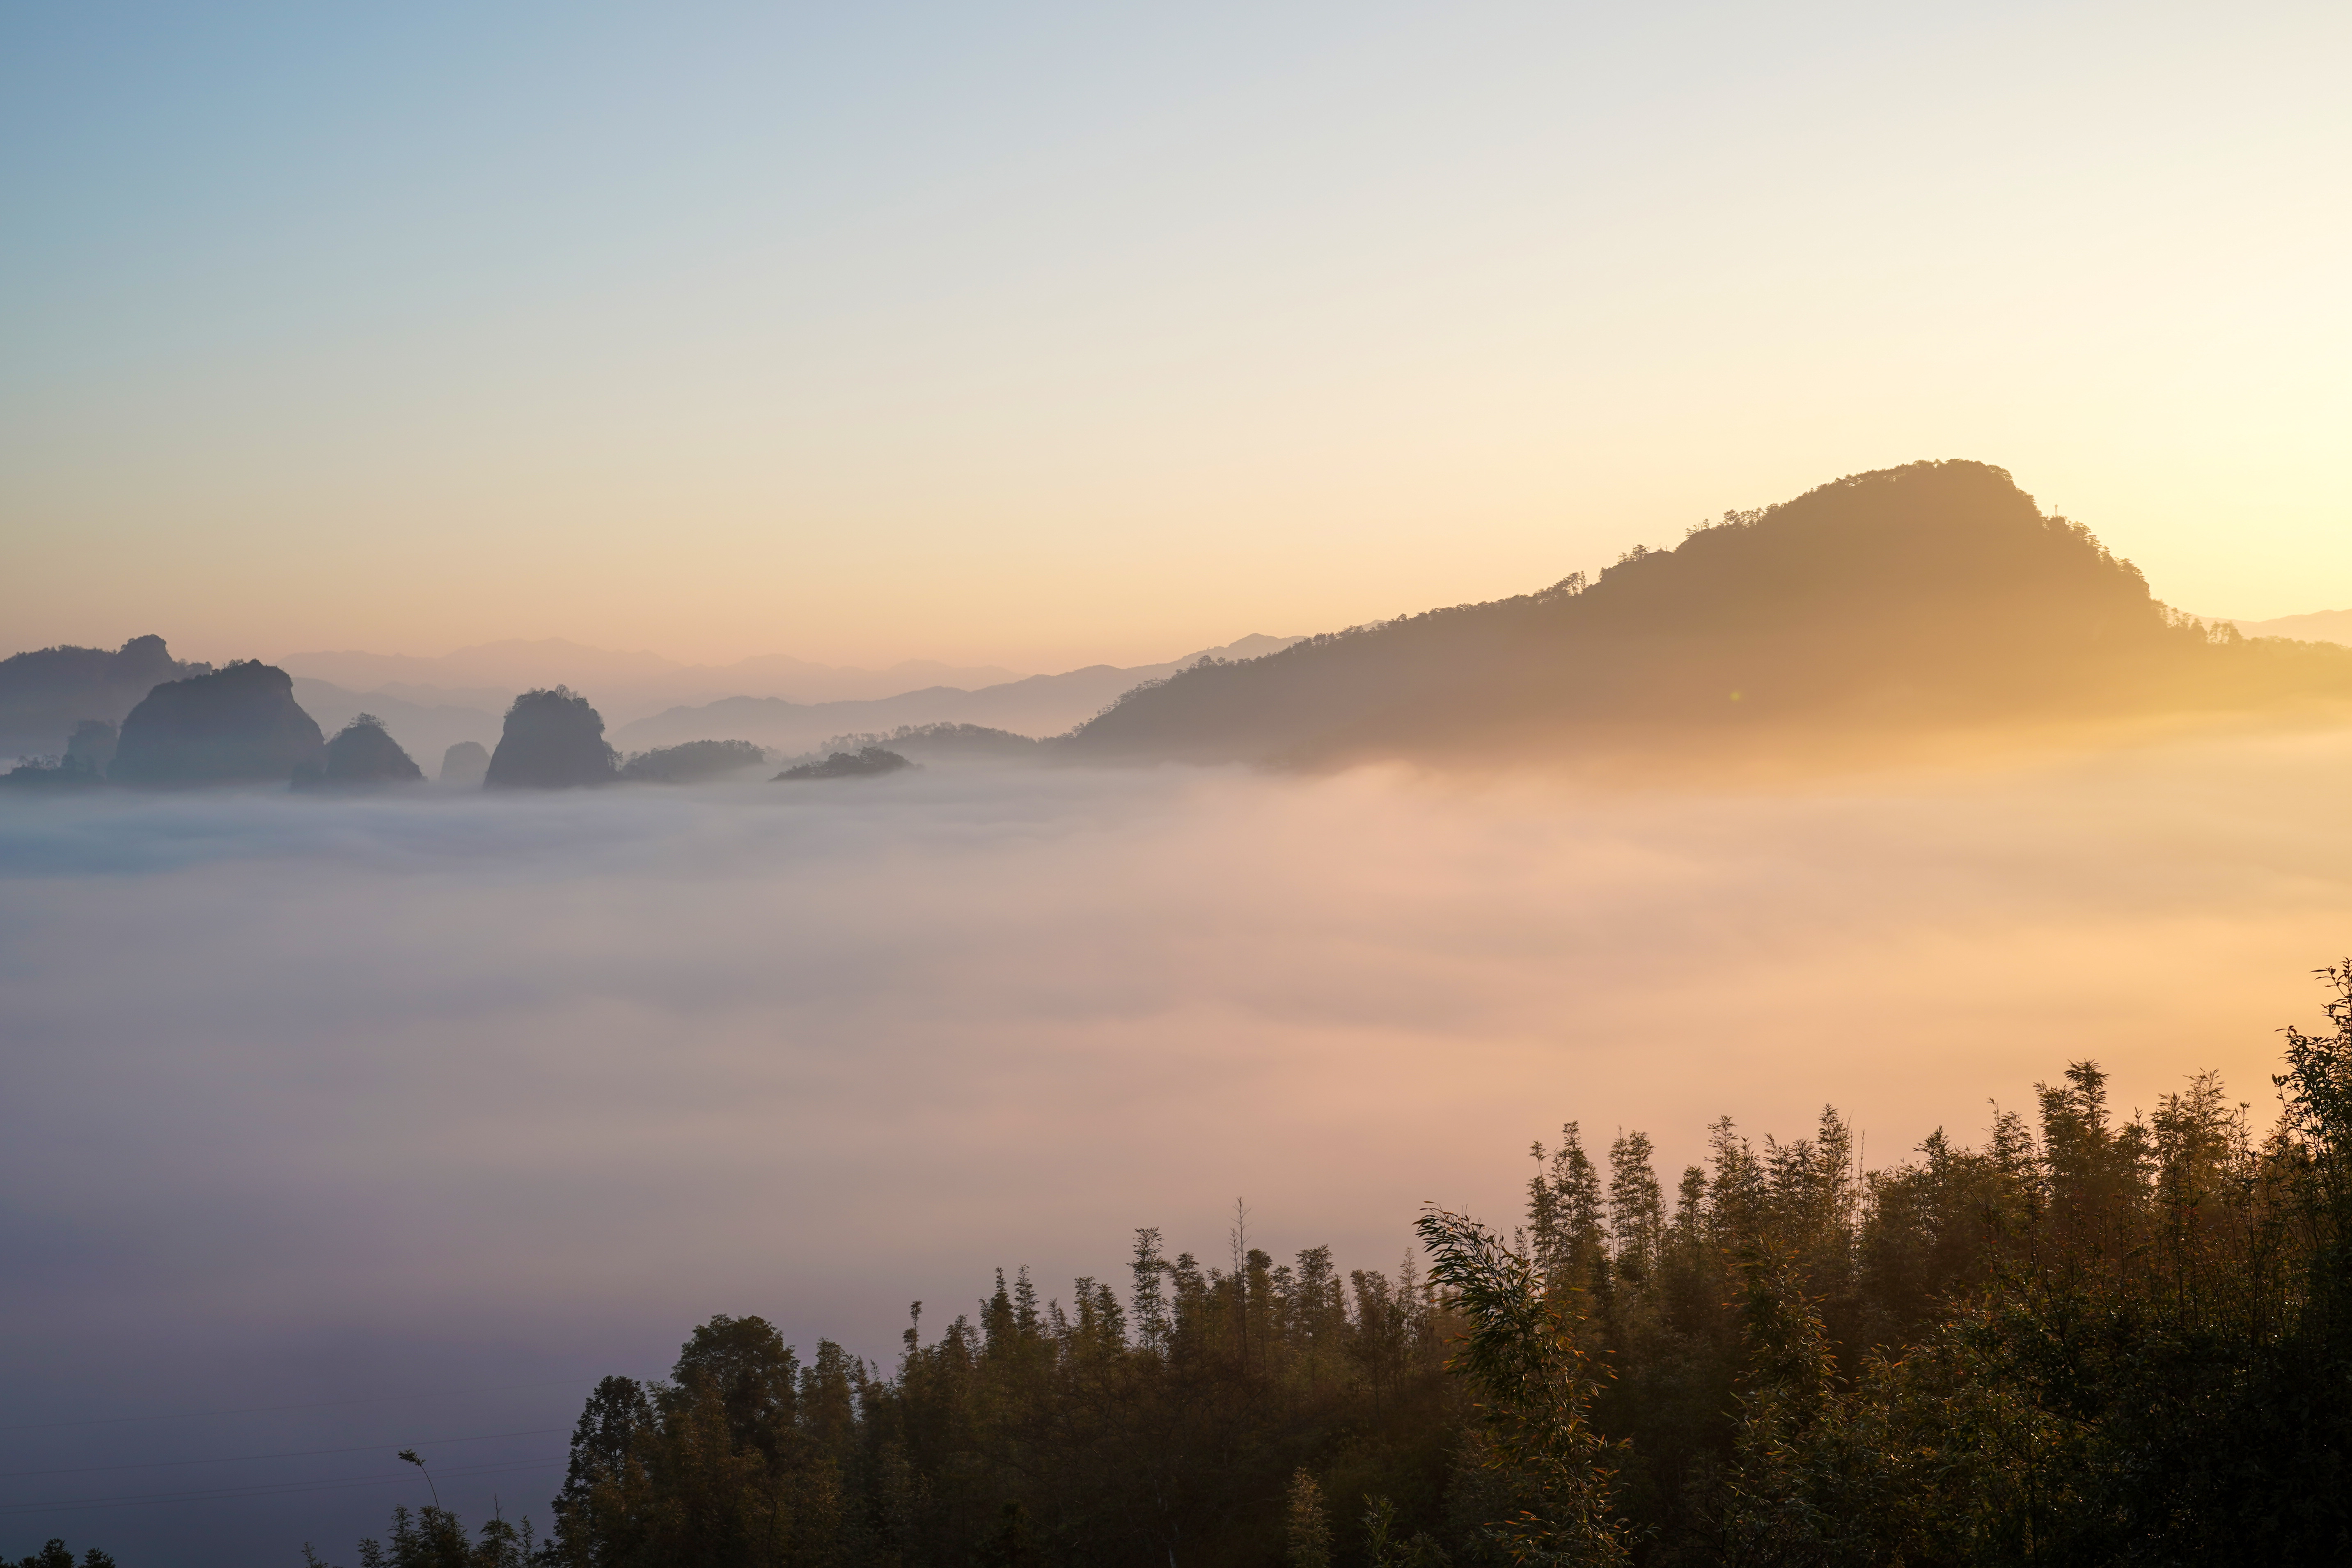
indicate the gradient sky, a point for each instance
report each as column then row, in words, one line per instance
column 1044, row 335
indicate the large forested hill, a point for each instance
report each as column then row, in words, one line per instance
column 1933, row 594
column 44, row 694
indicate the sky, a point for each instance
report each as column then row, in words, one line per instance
column 396, row 1123
column 1043, row 336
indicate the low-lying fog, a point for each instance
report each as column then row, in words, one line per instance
column 418, row 1114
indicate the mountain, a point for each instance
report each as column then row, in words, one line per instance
column 554, row 740
column 46, row 693
column 512, row 665
column 2319, row 625
column 362, row 757
column 239, row 724
column 1932, row 596
column 423, row 729
column 463, row 765
column 1038, row 705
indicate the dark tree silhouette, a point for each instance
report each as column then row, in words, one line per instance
column 2080, row 1342
column 868, row 762
column 693, row 761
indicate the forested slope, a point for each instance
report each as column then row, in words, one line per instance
column 2089, row 1341
column 1933, row 594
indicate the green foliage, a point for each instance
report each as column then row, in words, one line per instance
column 2080, row 1342
column 1534, row 1382
column 1306, row 1531
column 1384, row 1549
column 1175, row 1423
column 56, row 1555
column 433, row 1537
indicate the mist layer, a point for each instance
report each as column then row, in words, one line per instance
column 314, row 1101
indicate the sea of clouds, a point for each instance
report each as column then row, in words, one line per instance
column 366, row 1123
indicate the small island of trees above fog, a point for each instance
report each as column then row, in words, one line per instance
column 866, row 761
column 1931, row 598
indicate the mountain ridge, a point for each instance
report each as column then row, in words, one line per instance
column 2313, row 625
column 1932, row 596
column 1035, row 705
column 628, row 680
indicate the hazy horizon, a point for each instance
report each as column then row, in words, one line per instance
column 2314, row 623
column 2323, row 621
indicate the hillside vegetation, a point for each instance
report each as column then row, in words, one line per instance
column 2091, row 1340
column 1933, row 596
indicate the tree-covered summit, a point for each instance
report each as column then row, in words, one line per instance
column 1935, row 595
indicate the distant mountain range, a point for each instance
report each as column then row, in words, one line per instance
column 44, row 694
column 425, row 729
column 2319, row 625
column 1039, row 705
column 1936, row 596
column 623, row 685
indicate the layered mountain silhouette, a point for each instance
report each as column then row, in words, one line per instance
column 423, row 729
column 630, row 684
column 46, row 693
column 1934, row 594
column 1035, row 705
column 2319, row 625
column 238, row 725
column 1931, row 597
column 463, row 765
column 429, row 718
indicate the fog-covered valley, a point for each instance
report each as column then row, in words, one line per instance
column 476, row 1096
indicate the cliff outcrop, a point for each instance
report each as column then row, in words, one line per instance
column 238, row 725
column 554, row 740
